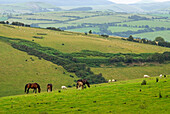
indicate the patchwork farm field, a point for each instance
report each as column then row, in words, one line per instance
column 117, row 97
column 99, row 22
column 151, row 23
column 153, row 35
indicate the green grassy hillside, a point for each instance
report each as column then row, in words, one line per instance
column 127, row 73
column 118, row 97
column 75, row 42
column 17, row 68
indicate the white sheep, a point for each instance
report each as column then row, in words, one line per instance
column 113, row 80
column 146, row 76
column 63, row 87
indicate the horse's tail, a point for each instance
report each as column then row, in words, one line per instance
column 26, row 87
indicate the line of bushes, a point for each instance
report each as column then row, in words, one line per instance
column 95, row 59
column 81, row 70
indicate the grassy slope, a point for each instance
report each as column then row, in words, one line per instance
column 15, row 67
column 119, row 97
column 15, row 72
column 75, row 42
column 126, row 73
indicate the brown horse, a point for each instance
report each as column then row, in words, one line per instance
column 80, row 84
column 84, row 82
column 32, row 86
column 49, row 87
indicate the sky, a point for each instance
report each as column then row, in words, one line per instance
column 135, row 1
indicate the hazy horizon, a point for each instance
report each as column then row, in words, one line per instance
column 136, row 1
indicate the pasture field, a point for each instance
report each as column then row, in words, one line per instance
column 56, row 25
column 151, row 23
column 117, row 97
column 153, row 35
column 30, row 21
column 85, row 30
column 75, row 42
column 68, row 19
column 17, row 69
column 123, row 29
column 128, row 73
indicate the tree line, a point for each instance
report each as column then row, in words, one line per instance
column 80, row 69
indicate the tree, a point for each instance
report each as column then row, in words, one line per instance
column 130, row 38
column 7, row 22
column 159, row 39
column 90, row 32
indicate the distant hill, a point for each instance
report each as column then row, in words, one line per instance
column 63, row 2
column 28, row 7
column 143, row 6
column 152, row 6
column 81, row 9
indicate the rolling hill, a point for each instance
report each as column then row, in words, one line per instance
column 18, row 68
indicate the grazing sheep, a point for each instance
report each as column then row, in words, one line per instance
column 160, row 75
column 113, row 80
column 109, row 81
column 63, row 87
column 146, row 76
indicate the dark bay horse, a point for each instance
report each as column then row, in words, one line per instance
column 49, row 87
column 81, row 83
column 32, row 86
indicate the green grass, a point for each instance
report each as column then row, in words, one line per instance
column 17, row 69
column 153, row 35
column 123, row 29
column 101, row 19
column 127, row 73
column 120, row 97
column 83, row 30
column 151, row 23
column 3, row 18
column 75, row 42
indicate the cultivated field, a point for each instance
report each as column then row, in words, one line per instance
column 96, row 21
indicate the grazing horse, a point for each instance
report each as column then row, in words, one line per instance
column 32, row 86
column 49, row 87
column 84, row 81
column 80, row 84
